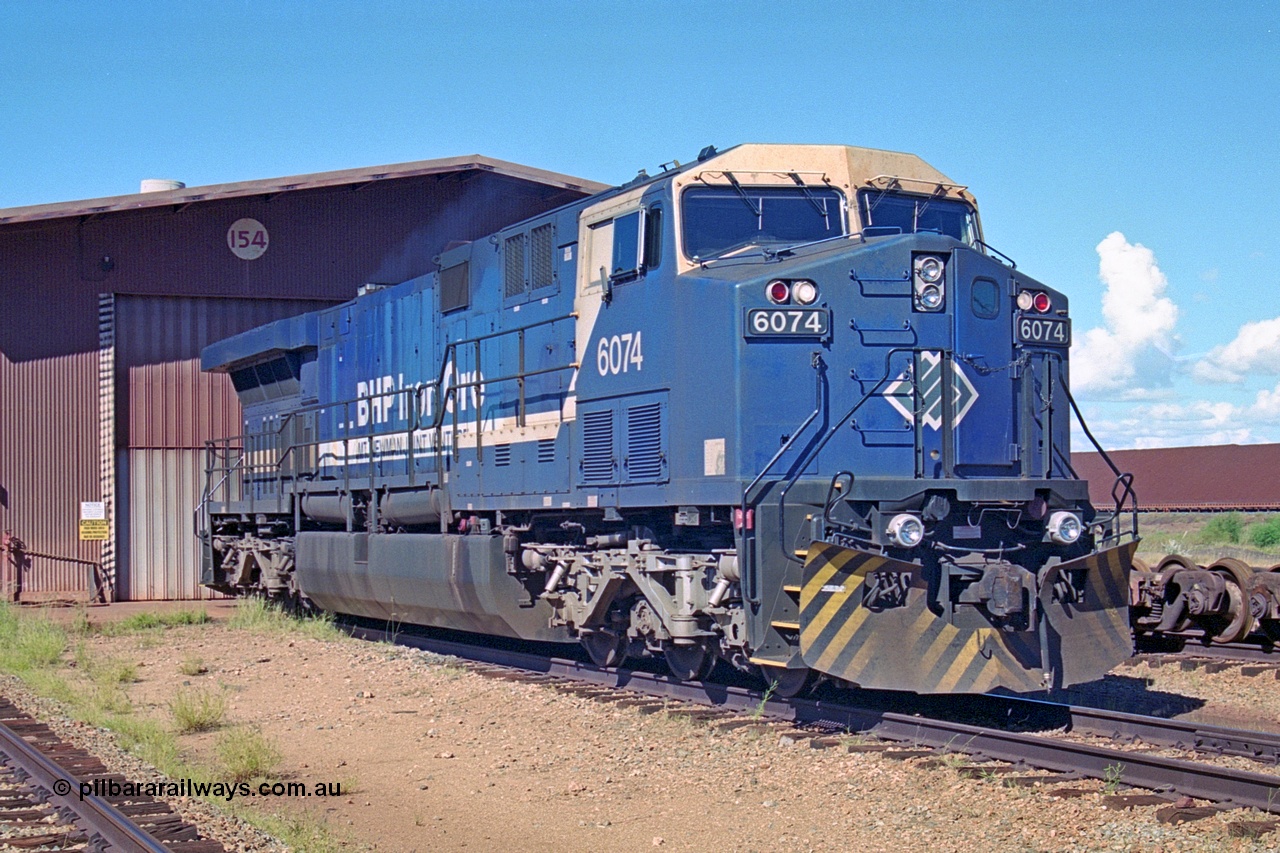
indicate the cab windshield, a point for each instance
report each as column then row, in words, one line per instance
column 720, row 219
column 886, row 212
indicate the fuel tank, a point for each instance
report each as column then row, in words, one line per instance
column 440, row 580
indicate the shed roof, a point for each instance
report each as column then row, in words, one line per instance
column 1218, row 477
column 274, row 186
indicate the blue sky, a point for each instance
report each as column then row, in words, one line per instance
column 1125, row 153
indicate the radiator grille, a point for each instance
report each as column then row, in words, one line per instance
column 597, row 447
column 513, row 266
column 547, row 450
column 501, row 455
column 541, row 256
column 644, row 442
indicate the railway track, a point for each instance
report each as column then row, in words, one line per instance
column 1065, row 755
column 41, row 778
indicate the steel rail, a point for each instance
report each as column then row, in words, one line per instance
column 1158, row 731
column 1143, row 770
column 96, row 816
column 1241, row 653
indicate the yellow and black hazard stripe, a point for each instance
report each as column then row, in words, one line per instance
column 1092, row 634
column 909, row 647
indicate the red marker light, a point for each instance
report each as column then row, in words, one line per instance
column 779, row 292
column 1041, row 302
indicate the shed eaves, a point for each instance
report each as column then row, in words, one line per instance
column 271, row 186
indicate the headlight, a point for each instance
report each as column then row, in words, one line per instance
column 1065, row 527
column 930, row 270
column 928, row 283
column 930, row 297
column 804, row 292
column 905, row 530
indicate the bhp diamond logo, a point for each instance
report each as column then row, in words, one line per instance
column 900, row 396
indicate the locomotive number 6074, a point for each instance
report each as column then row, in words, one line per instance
column 1049, row 331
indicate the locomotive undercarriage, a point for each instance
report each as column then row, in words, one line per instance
column 652, row 585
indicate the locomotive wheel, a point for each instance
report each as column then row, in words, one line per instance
column 1269, row 627
column 1168, row 567
column 689, row 663
column 789, row 683
column 605, row 648
column 1235, row 626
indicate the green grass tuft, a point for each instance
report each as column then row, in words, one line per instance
column 246, row 754
column 193, row 665
column 151, row 621
column 257, row 614
column 27, row 642
column 197, row 710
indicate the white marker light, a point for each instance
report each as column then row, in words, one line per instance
column 905, row 530
column 1065, row 527
column 1025, row 300
column 804, row 292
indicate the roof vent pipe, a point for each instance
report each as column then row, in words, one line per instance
column 160, row 185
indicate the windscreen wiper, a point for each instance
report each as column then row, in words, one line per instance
column 808, row 194
column 746, row 199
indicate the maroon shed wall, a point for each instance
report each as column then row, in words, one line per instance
column 324, row 243
column 1222, row 477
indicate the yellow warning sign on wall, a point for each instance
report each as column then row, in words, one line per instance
column 94, row 530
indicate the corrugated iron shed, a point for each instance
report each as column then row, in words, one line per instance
column 1190, row 479
column 105, row 303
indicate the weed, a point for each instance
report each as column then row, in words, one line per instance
column 1265, row 534
column 113, row 671
column 758, row 711
column 80, row 622
column 193, row 665
column 1223, row 529
column 1112, row 778
column 246, row 754
column 28, row 643
column 197, row 710
column 298, row 832
column 150, row 621
column 258, row 614
column 954, row 760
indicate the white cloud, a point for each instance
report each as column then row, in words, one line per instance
column 1174, row 424
column 1255, row 349
column 1132, row 351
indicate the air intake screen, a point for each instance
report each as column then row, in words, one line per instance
column 513, row 271
column 644, row 442
column 541, row 256
column 597, row 447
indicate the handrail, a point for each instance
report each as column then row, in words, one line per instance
column 445, row 404
column 1124, row 481
column 804, row 460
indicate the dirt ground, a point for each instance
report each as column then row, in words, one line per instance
column 432, row 757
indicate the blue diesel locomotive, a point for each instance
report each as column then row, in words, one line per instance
column 781, row 407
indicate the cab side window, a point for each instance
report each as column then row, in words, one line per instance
column 637, row 244
column 626, row 247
